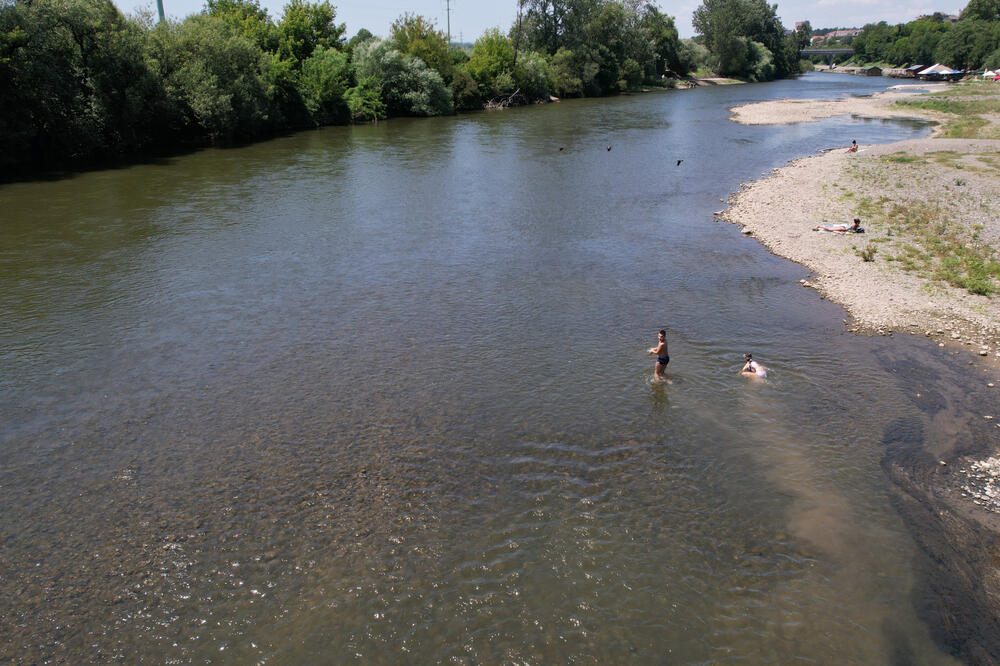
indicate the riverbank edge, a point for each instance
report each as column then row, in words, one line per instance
column 959, row 589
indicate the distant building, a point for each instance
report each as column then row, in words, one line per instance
column 847, row 34
column 850, row 33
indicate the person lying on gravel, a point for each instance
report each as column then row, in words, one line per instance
column 852, row 228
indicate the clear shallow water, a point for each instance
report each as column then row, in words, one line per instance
column 381, row 393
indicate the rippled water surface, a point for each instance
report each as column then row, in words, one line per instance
column 381, row 394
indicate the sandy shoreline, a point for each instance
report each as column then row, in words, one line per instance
column 830, row 188
column 879, row 105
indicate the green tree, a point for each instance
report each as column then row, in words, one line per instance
column 416, row 36
column 923, row 37
column 325, row 79
column 659, row 31
column 730, row 27
column 246, row 18
column 73, row 82
column 803, row 35
column 466, row 91
column 533, row 76
column 305, row 26
column 365, row 101
column 361, row 37
column 984, row 10
column 875, row 42
column 966, row 44
column 567, row 77
column 406, row 85
column 218, row 81
column 491, row 56
column 549, row 25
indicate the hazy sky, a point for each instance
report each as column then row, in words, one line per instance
column 470, row 18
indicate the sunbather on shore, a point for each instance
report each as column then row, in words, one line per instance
column 852, row 228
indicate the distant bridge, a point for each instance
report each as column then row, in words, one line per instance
column 826, row 52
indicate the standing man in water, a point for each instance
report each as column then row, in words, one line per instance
column 662, row 357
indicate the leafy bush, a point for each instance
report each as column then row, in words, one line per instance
column 465, row 91
column 534, row 76
column 73, row 83
column 365, row 101
column 218, row 80
column 414, row 35
column 407, row 86
column 306, row 26
column 324, row 83
column 491, row 56
column 567, row 79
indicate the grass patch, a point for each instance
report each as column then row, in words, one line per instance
column 870, row 208
column 966, row 128
column 903, row 158
column 969, row 89
column 940, row 250
column 867, row 253
column 968, row 120
column 959, row 107
column 946, row 157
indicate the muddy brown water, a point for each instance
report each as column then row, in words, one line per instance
column 380, row 394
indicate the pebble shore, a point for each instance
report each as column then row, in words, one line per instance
column 825, row 189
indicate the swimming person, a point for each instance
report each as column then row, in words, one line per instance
column 852, row 228
column 752, row 368
column 662, row 357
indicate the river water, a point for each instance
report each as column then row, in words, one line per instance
column 381, row 394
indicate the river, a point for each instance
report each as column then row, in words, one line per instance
column 381, row 394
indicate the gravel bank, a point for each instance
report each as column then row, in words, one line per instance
column 879, row 105
column 957, row 176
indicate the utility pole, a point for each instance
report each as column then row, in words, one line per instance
column 159, row 8
column 517, row 35
column 448, row 12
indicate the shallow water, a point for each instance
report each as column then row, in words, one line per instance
column 381, row 394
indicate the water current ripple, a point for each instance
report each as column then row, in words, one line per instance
column 381, row 394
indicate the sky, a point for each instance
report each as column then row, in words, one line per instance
column 471, row 18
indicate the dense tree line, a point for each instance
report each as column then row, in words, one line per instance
column 971, row 43
column 80, row 82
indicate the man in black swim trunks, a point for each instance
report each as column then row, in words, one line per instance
column 662, row 357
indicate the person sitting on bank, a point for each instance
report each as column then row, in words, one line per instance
column 852, row 228
column 752, row 368
column 854, row 147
